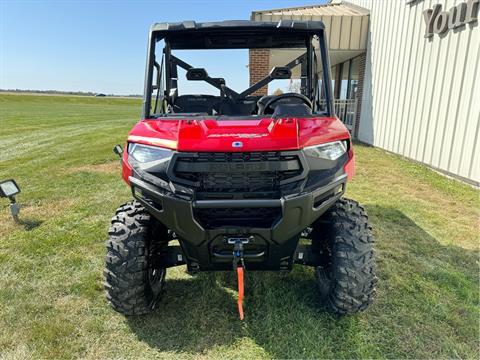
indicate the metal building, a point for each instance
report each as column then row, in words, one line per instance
column 406, row 75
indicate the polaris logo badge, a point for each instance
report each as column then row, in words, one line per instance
column 237, row 144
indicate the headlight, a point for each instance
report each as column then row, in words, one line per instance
column 329, row 151
column 146, row 153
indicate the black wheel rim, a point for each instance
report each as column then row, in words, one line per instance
column 156, row 278
column 156, row 274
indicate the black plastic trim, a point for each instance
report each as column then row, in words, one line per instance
column 224, row 204
column 298, row 212
column 287, row 165
column 245, row 255
column 240, row 25
column 204, row 167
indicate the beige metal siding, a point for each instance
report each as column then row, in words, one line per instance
column 422, row 99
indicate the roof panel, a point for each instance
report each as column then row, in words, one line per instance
column 239, row 25
column 346, row 32
column 325, row 9
column 355, row 41
column 335, row 32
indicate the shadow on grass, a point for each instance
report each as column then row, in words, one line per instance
column 201, row 313
column 29, row 224
column 283, row 313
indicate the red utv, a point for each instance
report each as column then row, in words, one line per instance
column 237, row 179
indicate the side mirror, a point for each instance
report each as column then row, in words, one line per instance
column 117, row 149
column 197, row 74
column 280, row 73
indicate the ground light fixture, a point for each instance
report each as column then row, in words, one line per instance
column 8, row 189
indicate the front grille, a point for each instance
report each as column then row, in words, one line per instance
column 238, row 217
column 238, row 156
column 249, row 182
column 251, row 174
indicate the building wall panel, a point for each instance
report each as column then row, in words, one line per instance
column 463, row 109
column 417, row 60
column 421, row 100
column 392, row 70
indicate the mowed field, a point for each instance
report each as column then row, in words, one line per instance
column 52, row 303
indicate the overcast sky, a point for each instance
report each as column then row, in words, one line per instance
column 100, row 46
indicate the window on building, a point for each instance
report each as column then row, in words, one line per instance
column 355, row 74
column 347, row 85
column 344, row 81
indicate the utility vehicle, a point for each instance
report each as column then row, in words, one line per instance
column 236, row 178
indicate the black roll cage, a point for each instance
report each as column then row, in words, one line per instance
column 215, row 82
column 168, row 31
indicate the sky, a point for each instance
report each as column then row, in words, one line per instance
column 100, row 46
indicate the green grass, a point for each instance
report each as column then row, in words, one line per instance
column 51, row 297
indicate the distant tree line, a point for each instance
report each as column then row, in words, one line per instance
column 80, row 93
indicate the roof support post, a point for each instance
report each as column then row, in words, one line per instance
column 147, row 93
column 327, row 76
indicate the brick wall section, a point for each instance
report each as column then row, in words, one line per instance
column 258, row 65
column 361, row 76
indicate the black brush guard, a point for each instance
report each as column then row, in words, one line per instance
column 205, row 216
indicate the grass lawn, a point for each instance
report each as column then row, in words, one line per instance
column 52, row 302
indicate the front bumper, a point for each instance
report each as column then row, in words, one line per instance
column 271, row 248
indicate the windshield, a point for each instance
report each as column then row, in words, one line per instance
column 287, row 79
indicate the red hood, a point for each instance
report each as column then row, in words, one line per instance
column 238, row 135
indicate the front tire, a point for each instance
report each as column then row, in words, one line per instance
column 344, row 239
column 133, row 282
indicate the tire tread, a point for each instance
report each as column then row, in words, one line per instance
column 126, row 263
column 352, row 277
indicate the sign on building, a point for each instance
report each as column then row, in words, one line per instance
column 439, row 22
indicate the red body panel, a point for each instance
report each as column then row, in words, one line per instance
column 350, row 165
column 254, row 135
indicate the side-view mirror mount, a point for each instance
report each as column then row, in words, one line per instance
column 280, row 73
column 197, row 74
column 118, row 150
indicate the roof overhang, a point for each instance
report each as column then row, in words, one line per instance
column 346, row 24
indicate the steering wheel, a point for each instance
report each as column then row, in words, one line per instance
column 273, row 100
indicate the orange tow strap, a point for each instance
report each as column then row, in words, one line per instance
column 240, row 291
